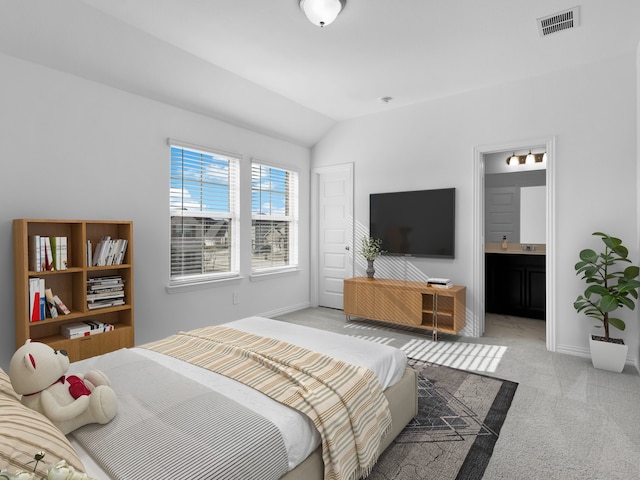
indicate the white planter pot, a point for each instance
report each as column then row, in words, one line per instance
column 608, row 356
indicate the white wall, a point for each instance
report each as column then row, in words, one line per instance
column 637, row 318
column 75, row 149
column 592, row 112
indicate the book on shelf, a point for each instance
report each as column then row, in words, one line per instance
column 34, row 299
column 103, row 292
column 440, row 282
column 105, row 303
column 109, row 251
column 47, row 253
column 85, row 329
column 43, row 303
column 102, row 283
column 35, row 259
column 89, row 253
column 121, row 251
column 62, row 253
column 53, row 252
column 60, row 305
column 100, row 253
column 51, row 303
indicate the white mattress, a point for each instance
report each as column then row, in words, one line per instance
column 300, row 436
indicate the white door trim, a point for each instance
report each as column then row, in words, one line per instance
column 314, row 233
column 478, row 233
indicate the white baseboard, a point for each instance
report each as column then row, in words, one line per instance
column 572, row 350
column 284, row 310
column 585, row 353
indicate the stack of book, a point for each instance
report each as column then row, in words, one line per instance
column 42, row 302
column 109, row 251
column 440, row 283
column 105, row 292
column 47, row 253
column 85, row 329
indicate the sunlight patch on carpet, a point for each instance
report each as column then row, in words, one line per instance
column 382, row 340
column 465, row 356
column 371, row 338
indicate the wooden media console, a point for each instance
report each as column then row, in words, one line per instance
column 413, row 304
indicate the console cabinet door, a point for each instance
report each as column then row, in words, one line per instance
column 359, row 299
column 399, row 305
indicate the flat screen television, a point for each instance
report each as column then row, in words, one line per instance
column 418, row 223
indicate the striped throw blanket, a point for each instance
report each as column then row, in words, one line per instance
column 344, row 401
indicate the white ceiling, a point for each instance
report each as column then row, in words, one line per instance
column 263, row 65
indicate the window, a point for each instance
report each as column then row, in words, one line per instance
column 203, row 205
column 274, row 217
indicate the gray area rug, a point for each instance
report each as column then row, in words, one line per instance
column 460, row 415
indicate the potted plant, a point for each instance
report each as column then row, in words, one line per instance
column 609, row 287
column 371, row 249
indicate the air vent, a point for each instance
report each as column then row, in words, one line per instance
column 560, row 21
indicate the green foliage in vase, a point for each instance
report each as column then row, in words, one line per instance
column 609, row 287
column 371, row 248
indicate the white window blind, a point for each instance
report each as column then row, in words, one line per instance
column 274, row 217
column 204, row 219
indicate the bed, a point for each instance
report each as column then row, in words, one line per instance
column 303, row 458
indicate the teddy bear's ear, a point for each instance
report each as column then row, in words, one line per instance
column 29, row 362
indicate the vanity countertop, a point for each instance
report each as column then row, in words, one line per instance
column 516, row 248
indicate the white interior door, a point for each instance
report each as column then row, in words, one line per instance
column 335, row 233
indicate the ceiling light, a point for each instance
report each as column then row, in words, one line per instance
column 322, row 12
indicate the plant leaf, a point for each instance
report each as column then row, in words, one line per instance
column 617, row 323
column 597, row 289
column 608, row 303
column 627, row 302
column 588, row 255
column 631, row 272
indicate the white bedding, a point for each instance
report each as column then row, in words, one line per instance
column 299, row 434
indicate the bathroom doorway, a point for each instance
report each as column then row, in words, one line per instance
column 502, row 216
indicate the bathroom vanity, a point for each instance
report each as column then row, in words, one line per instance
column 515, row 280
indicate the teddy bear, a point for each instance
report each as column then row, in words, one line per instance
column 38, row 373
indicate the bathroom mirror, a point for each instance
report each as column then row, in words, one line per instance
column 533, row 214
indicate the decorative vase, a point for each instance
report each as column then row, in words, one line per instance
column 608, row 356
column 370, row 269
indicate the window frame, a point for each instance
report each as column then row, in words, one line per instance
column 292, row 201
column 233, row 216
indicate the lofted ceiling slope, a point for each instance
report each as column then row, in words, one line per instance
column 260, row 64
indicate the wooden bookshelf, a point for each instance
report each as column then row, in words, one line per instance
column 70, row 285
column 414, row 304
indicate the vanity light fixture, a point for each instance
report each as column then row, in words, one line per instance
column 322, row 12
column 528, row 159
